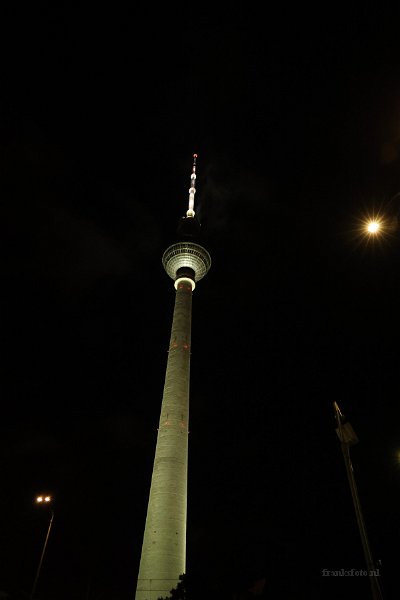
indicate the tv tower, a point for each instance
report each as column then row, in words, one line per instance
column 163, row 557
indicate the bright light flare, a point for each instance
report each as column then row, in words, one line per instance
column 373, row 227
column 41, row 499
column 376, row 227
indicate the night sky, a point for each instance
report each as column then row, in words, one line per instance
column 295, row 117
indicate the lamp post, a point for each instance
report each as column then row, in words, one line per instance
column 47, row 500
column 348, row 438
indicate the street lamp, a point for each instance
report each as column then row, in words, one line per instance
column 385, row 222
column 348, row 438
column 43, row 500
column 373, row 226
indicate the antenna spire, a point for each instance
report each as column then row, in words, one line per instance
column 192, row 190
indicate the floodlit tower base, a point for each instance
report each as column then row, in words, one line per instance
column 164, row 542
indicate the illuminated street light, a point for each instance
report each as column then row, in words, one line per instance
column 373, row 226
column 43, row 500
column 40, row 499
column 385, row 221
column 348, row 438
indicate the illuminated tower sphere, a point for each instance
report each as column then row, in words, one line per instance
column 163, row 557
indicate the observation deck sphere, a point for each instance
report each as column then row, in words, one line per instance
column 189, row 255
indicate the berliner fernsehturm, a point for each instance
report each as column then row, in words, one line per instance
column 163, row 557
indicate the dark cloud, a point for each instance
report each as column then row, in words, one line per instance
column 232, row 199
column 65, row 232
column 34, row 443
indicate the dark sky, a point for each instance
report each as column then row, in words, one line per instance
column 295, row 116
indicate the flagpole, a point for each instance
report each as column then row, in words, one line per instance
column 348, row 438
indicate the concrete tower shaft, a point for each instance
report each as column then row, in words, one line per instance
column 164, row 544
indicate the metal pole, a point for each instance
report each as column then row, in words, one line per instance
column 41, row 558
column 346, row 439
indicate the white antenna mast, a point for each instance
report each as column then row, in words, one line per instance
column 190, row 212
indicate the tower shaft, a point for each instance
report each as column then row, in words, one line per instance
column 163, row 557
